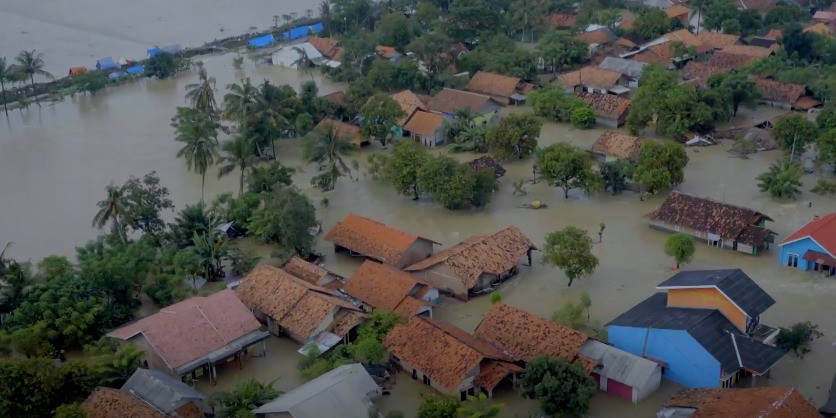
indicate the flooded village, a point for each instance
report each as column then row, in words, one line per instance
column 467, row 299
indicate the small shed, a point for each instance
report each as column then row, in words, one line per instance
column 622, row 374
column 105, row 63
column 303, row 31
column 171, row 49
column 135, row 70
column 77, row 70
column 262, row 41
column 288, row 56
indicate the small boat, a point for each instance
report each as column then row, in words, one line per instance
column 535, row 204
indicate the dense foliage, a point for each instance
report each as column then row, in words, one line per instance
column 570, row 250
column 562, row 389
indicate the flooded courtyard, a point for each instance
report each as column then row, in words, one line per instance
column 55, row 163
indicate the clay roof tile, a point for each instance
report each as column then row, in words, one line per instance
column 764, row 402
column 371, row 238
column 619, row 145
column 492, row 84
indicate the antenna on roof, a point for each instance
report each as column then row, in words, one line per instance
column 647, row 335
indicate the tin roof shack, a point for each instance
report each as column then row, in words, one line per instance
column 477, row 265
column 594, row 80
column 789, row 96
column 348, row 389
column 380, row 286
column 447, row 358
column 763, row 402
column 502, row 88
column 612, row 146
column 344, row 130
column 630, row 69
column 357, row 235
column 313, row 273
column 194, row 334
column 718, row 224
column 448, row 101
column 610, row 110
column 706, row 329
column 813, row 247
column 304, row 312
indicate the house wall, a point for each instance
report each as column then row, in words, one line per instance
column 782, row 105
column 609, row 123
column 688, row 362
column 420, row 250
column 437, row 138
column 700, row 236
column 155, row 361
column 432, row 296
column 465, row 384
column 651, row 385
column 707, row 298
column 799, row 248
column 443, row 279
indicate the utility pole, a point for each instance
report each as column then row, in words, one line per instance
column 792, row 153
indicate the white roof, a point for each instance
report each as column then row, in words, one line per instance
column 287, row 55
column 347, row 389
column 619, row 365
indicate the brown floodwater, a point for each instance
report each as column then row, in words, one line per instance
column 55, row 163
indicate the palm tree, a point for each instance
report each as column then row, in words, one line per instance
column 327, row 149
column 112, row 210
column 275, row 110
column 479, row 407
column 115, row 369
column 31, row 63
column 239, row 101
column 200, row 137
column 6, row 74
column 247, row 396
column 239, row 152
column 202, row 94
column 303, row 62
column 209, row 251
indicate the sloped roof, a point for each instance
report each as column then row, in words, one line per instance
column 336, row 97
column 619, row 365
column 409, row 103
column 589, row 76
column 677, row 10
column 524, row 336
column 749, row 50
column 451, row 100
column 822, row 230
column 492, row 84
column 562, row 20
column 820, row 28
column 699, row 72
column 717, row 40
column 597, row 36
column 825, row 15
column 114, row 403
column 492, row 373
column 734, row 283
column 424, row 123
column 494, row 254
column 619, row 145
column 344, row 130
column 773, row 90
column 326, row 46
column 304, row 270
column 774, row 34
column 627, row 67
column 607, row 106
column 632, row 40
column 762, row 402
column 386, row 51
column 686, row 37
column 381, row 286
column 193, row 328
column 730, row 61
column 161, row 390
column 371, row 238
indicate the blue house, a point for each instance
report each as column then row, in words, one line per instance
column 813, row 247
column 704, row 331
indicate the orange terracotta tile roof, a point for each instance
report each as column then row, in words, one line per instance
column 381, row 286
column 525, row 336
column 491, row 373
column 492, row 84
column 607, row 106
column 193, row 328
column 409, row 103
column 730, row 61
column 774, row 34
column 385, row 51
column 492, row 254
column 777, row 91
column 442, row 352
column 338, row 53
column 589, row 76
column 326, row 46
column 344, row 321
column 597, row 36
column 304, row 270
column 699, row 72
column 336, row 97
column 345, row 131
column 686, row 37
column 656, row 54
column 820, row 28
column 749, row 50
column 451, row 100
column 717, row 40
column 619, row 145
column 562, row 20
column 762, row 402
column 806, row 102
column 410, row 306
column 677, row 10
column 371, row 238
column 115, row 403
column 424, row 123
column 822, row 230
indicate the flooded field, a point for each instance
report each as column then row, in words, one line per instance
column 55, row 163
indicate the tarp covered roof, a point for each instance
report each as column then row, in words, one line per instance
column 137, row 69
column 105, row 63
column 262, row 41
column 303, row 31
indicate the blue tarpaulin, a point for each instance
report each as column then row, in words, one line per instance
column 105, row 63
column 303, row 31
column 262, row 41
column 153, row 51
column 137, row 69
column 116, row 75
column 172, row 49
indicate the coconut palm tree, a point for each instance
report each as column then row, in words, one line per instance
column 275, row 110
column 303, row 62
column 239, row 152
column 202, row 94
column 112, row 210
column 200, row 137
column 31, row 63
column 327, row 149
column 239, row 101
column 6, row 74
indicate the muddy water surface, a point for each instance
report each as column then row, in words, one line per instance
column 55, row 163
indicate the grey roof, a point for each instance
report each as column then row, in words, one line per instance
column 630, row 68
column 620, row 365
column 830, row 406
column 734, row 283
column 161, row 390
column 347, row 389
column 709, row 327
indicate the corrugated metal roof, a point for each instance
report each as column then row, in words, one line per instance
column 627, row 67
column 734, row 283
column 620, row 365
column 162, row 391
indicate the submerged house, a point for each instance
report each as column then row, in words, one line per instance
column 194, row 335
column 705, row 331
column 476, row 265
column 346, row 131
column 357, row 235
column 720, row 225
column 813, row 247
column 312, row 273
column 610, row 110
column 763, row 402
column 789, row 96
column 594, row 80
column 426, row 128
column 448, row 359
column 410, row 103
column 380, row 286
column 630, row 69
column 611, row 146
column 146, row 394
column 501, row 88
column 449, row 101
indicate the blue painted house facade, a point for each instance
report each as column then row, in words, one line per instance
column 813, row 247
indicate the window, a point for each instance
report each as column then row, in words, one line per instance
column 427, row 381
column 414, row 374
column 792, row 260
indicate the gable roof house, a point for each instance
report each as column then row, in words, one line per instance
column 761, row 402
column 597, row 38
column 312, row 273
column 718, row 224
column 426, row 128
column 291, row 306
column 357, row 235
column 594, row 80
column 289, row 56
column 409, row 102
column 631, row 41
column 348, row 389
column 813, row 247
column 387, row 52
column 476, row 265
column 380, row 286
column 448, row 101
column 326, row 46
column 661, row 50
column 718, row 40
column 680, row 13
column 610, row 110
column 447, row 358
column 820, row 28
column 785, row 95
column 502, row 88
column 147, row 394
column 706, row 330
column 350, row 133
column 630, row 69
column 194, row 333
column 611, row 146
column 730, row 61
column 698, row 73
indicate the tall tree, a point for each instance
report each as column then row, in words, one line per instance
column 739, row 88
column 514, row 136
column 681, row 247
column 783, row 180
column 201, row 95
column 328, row 149
column 798, row 337
column 31, row 63
column 199, row 136
column 559, row 49
column 652, row 22
column 402, row 167
column 793, row 133
column 284, row 218
column 660, row 164
column 239, row 153
column 379, row 115
column 570, row 249
column 113, row 210
column 562, row 389
column 6, row 75
column 435, row 406
column 567, row 167
column 146, row 200
column 239, row 102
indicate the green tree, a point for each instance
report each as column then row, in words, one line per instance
column 435, row 406
column 327, row 149
column 379, row 115
column 718, row 13
column 284, row 218
column 583, row 117
column 146, row 200
column 36, row 387
column 678, row 109
column 247, row 396
column 826, row 147
column 514, row 136
column 239, row 153
column 7, row 74
column 90, row 82
column 266, row 178
column 572, row 315
column 652, row 23
column 209, row 252
column 552, row 103
column 31, row 63
column 199, row 135
column 479, row 407
column 402, row 167
column 738, row 87
column 368, row 350
column 794, row 132
column 562, row 389
column 660, row 164
column 162, row 65
column 395, row 30
column 201, row 95
column 681, row 247
column 570, row 249
column 113, row 210
column 496, row 297
column 454, row 184
column 798, row 337
column 242, row 261
column 567, row 167
column 71, row 410
column 240, row 102
column 193, row 219
column 17, row 278
column 116, row 368
column 560, row 50
column 187, row 263
column 614, row 175
column 782, row 181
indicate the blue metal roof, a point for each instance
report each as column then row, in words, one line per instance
column 137, row 69
column 262, row 41
column 303, row 31
column 105, row 63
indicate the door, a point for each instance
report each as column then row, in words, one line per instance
column 620, row 389
column 792, row 260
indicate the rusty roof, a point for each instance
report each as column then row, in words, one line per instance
column 619, row 145
column 409, row 103
column 442, row 352
column 524, row 336
column 748, row 50
column 379, row 285
column 607, row 106
column 699, row 72
column 590, row 76
column 686, row 37
column 326, row 46
column 304, row 270
column 677, row 10
column 562, row 20
column 597, row 36
column 344, row 130
column 492, row 84
column 371, row 238
column 701, row 214
column 820, row 28
column 492, row 254
column 114, row 403
column 729, row 61
column 717, row 40
column 778, row 91
column 337, row 97
column 492, row 372
column 193, row 328
column 762, row 402
column 386, row 51
column 424, row 123
column 656, row 54
column 410, row 306
column 451, row 100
